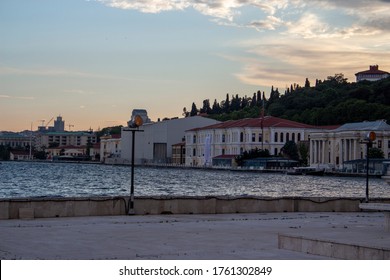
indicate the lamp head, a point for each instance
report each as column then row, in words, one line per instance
column 371, row 136
column 136, row 122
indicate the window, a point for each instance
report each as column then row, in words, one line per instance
column 223, row 138
column 241, row 151
column 260, row 138
column 299, row 137
column 276, row 137
column 281, row 137
column 293, row 137
column 253, row 137
column 194, row 152
column 287, row 137
column 223, row 151
column 276, row 151
column 241, row 137
column 194, row 139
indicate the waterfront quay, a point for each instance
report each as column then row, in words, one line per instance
column 274, row 236
column 192, row 228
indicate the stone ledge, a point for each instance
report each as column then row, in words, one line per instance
column 375, row 206
column 331, row 249
column 26, row 213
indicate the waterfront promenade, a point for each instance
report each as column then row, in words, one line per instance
column 221, row 236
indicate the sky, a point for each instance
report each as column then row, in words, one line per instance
column 94, row 61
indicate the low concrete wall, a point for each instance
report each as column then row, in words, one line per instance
column 331, row 249
column 104, row 206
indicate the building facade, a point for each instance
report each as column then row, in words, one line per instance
column 154, row 141
column 179, row 153
column 236, row 136
column 50, row 139
column 332, row 148
column 110, row 148
column 16, row 140
column 373, row 74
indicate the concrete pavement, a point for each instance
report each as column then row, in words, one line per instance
column 223, row 236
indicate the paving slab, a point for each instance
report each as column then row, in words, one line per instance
column 152, row 237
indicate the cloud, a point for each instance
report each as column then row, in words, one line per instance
column 368, row 15
column 281, row 62
column 78, row 92
column 220, row 9
column 17, row 97
column 270, row 23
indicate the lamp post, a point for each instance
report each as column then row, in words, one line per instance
column 134, row 125
column 370, row 138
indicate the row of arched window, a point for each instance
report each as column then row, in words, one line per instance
column 279, row 137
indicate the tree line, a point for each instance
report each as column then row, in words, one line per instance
column 328, row 102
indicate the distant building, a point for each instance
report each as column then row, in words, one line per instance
column 142, row 113
column 19, row 155
column 179, row 153
column 52, row 139
column 110, row 148
column 15, row 140
column 154, row 144
column 332, row 148
column 206, row 145
column 59, row 125
column 373, row 74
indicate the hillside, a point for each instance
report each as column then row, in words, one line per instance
column 328, row 102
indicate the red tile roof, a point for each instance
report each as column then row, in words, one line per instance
column 267, row 121
column 374, row 69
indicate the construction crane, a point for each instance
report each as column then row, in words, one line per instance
column 48, row 122
column 42, row 122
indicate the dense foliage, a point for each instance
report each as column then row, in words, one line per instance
column 328, row 102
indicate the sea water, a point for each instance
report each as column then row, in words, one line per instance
column 50, row 179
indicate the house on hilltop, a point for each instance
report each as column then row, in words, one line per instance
column 373, row 74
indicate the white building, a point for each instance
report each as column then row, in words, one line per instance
column 331, row 148
column 153, row 143
column 235, row 137
column 49, row 139
column 15, row 140
column 373, row 74
column 110, row 148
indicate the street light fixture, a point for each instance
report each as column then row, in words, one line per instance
column 133, row 126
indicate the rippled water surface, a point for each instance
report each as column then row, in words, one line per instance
column 37, row 179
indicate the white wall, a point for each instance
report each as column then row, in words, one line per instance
column 170, row 132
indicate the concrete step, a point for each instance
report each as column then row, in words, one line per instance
column 332, row 249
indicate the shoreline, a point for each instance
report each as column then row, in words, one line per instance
column 209, row 168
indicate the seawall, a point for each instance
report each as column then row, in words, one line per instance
column 31, row 208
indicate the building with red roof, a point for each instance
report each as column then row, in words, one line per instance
column 373, row 74
column 236, row 136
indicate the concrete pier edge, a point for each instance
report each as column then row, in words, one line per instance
column 30, row 208
column 331, row 248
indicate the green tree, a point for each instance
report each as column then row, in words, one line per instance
column 206, row 107
column 254, row 153
column 194, row 110
column 226, row 104
column 4, row 152
column 307, row 83
column 290, row 150
column 375, row 153
column 303, row 150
